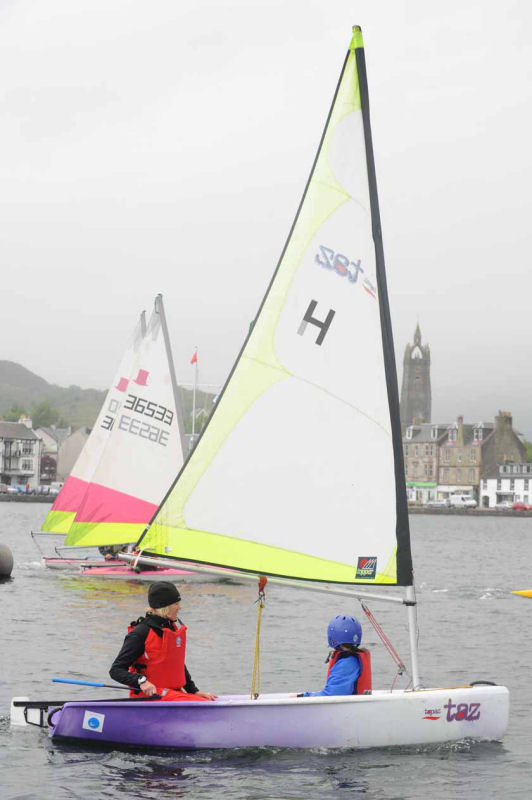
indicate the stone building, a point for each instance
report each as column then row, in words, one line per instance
column 461, row 457
column 416, row 398
column 421, row 445
column 512, row 485
column 472, row 453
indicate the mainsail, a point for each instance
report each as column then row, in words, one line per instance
column 299, row 472
column 133, row 451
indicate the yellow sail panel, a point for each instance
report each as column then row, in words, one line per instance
column 85, row 534
column 58, row 521
column 206, row 547
column 295, row 473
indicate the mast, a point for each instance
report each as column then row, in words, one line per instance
column 404, row 567
column 159, row 308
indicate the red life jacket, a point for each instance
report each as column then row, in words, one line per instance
column 363, row 682
column 163, row 660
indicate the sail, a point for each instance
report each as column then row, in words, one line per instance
column 299, row 471
column 133, row 451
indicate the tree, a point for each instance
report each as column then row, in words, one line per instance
column 14, row 413
column 44, row 415
column 528, row 446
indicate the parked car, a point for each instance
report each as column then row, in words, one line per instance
column 3, row 488
column 441, row 503
column 462, row 501
column 520, row 506
column 504, row 504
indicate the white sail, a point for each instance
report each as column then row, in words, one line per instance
column 133, row 450
column 295, row 474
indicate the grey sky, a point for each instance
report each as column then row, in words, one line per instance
column 150, row 147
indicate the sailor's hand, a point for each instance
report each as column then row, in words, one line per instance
column 148, row 688
column 206, row 695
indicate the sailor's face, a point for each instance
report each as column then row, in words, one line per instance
column 173, row 611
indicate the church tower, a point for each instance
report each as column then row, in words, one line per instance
column 415, row 392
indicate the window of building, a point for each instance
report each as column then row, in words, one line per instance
column 406, row 450
column 27, row 465
column 477, row 433
column 414, row 468
column 409, row 432
column 445, row 454
column 428, row 450
column 512, row 484
column 416, row 450
column 434, row 432
column 499, row 484
column 428, row 470
column 485, row 484
column 452, row 434
column 459, row 456
column 472, row 454
column 27, row 448
column 471, row 476
column 445, row 474
column 526, row 484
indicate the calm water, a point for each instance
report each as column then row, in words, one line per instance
column 471, row 628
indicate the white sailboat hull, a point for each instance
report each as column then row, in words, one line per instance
column 382, row 719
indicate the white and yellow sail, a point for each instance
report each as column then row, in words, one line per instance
column 295, row 474
column 133, row 451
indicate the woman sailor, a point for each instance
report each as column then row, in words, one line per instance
column 152, row 658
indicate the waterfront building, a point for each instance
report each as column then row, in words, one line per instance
column 473, row 452
column 51, row 437
column 416, row 398
column 513, row 484
column 421, row 445
column 20, row 454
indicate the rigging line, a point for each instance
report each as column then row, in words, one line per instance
column 321, row 389
column 385, row 640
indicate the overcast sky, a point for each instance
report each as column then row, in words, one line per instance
column 164, row 146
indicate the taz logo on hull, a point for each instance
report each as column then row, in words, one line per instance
column 462, row 711
column 366, row 567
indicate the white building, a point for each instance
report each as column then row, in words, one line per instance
column 20, row 454
column 513, row 484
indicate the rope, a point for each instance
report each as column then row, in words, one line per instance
column 401, row 667
column 255, row 677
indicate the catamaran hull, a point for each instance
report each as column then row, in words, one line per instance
column 382, row 719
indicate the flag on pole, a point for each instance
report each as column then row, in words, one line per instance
column 194, row 358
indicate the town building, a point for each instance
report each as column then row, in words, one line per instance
column 421, row 445
column 416, row 397
column 51, row 437
column 20, row 454
column 458, row 458
column 513, row 484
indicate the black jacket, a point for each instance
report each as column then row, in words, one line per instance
column 133, row 648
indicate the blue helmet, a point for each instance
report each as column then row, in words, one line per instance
column 344, row 630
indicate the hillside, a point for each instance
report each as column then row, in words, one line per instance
column 77, row 407
column 19, row 386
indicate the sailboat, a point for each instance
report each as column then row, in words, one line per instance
column 304, row 509
column 128, row 461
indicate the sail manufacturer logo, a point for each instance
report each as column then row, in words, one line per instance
column 366, row 567
column 344, row 267
column 432, row 713
column 93, row 721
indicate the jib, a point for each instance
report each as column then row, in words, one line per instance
column 464, row 711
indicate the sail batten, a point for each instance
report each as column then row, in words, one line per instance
column 295, row 474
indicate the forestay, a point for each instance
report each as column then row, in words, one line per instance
column 296, row 474
column 133, row 450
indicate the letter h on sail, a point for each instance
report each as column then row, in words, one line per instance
column 323, row 326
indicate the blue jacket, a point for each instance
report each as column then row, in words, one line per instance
column 342, row 678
